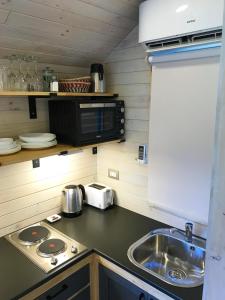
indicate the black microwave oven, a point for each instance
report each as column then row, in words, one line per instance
column 85, row 122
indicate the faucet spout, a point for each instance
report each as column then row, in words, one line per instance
column 188, row 231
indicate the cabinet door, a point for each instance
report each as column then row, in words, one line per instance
column 69, row 287
column 113, row 286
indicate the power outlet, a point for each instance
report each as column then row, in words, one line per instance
column 114, row 174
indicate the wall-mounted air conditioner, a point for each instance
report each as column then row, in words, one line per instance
column 167, row 24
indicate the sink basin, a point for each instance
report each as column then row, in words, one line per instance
column 166, row 254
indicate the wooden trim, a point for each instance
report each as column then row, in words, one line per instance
column 87, row 94
column 27, row 155
column 94, row 278
column 23, row 93
column 47, row 94
column 79, row 292
column 131, row 278
column 57, row 279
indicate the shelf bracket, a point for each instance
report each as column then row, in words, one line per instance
column 32, row 107
column 94, row 150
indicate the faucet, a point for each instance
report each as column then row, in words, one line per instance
column 188, row 231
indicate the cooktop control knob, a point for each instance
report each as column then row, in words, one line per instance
column 54, row 260
column 74, row 249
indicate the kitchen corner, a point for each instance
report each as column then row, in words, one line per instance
column 108, row 233
column 112, row 150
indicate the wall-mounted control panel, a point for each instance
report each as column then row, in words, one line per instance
column 143, row 154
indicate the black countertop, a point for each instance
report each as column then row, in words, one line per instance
column 109, row 233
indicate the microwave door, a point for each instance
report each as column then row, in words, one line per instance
column 97, row 121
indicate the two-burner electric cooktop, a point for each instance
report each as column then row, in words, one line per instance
column 45, row 246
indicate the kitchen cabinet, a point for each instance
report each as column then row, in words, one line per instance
column 76, row 286
column 96, row 278
column 72, row 284
column 112, row 286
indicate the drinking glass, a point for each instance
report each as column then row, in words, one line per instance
column 3, row 77
column 22, row 73
column 11, row 73
column 37, row 84
column 28, row 77
column 16, row 67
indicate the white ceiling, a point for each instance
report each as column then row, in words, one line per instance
column 69, row 32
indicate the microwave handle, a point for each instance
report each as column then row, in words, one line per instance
column 83, row 191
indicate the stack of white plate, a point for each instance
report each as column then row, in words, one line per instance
column 37, row 140
column 8, row 146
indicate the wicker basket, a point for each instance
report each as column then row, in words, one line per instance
column 75, row 85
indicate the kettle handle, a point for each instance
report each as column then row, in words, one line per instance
column 82, row 190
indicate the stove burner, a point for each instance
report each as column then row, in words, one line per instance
column 51, row 247
column 33, row 235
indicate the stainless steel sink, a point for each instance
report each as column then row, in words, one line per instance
column 166, row 254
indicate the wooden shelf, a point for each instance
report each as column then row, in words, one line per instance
column 87, row 94
column 48, row 94
column 27, row 155
column 23, row 93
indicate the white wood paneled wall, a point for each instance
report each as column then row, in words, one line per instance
column 129, row 75
column 29, row 195
column 65, row 32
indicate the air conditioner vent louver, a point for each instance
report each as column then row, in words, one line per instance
column 207, row 36
column 185, row 40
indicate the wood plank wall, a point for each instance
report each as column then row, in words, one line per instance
column 129, row 75
column 28, row 195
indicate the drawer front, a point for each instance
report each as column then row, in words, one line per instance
column 69, row 286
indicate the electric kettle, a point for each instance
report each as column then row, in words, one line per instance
column 72, row 200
